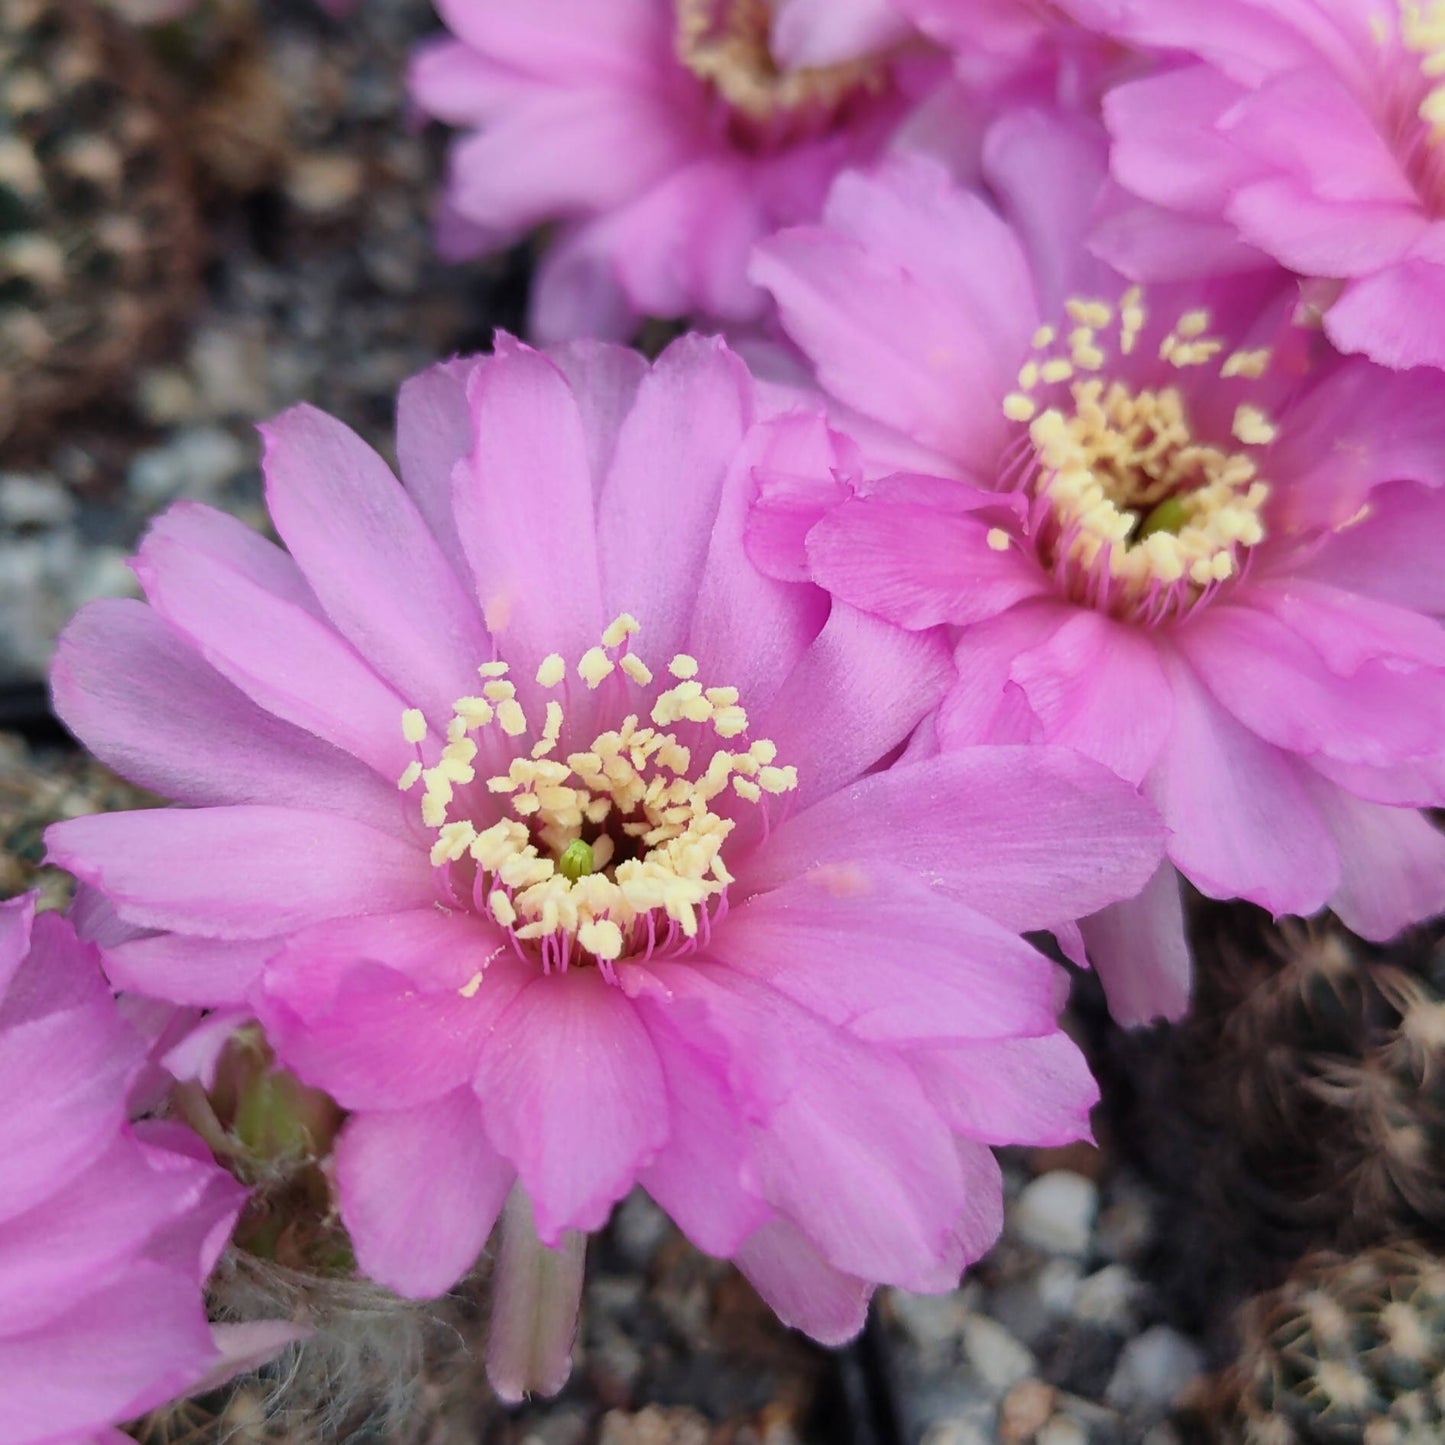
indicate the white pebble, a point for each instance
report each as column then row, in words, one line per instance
column 1154, row 1369
column 997, row 1358
column 1062, row 1431
column 1107, row 1297
column 1055, row 1213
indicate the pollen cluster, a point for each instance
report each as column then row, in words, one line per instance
column 1131, row 507
column 725, row 43
column 610, row 849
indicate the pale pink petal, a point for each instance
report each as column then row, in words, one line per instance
column 604, row 380
column 147, row 705
column 1243, row 824
column 17, row 918
column 704, row 1176
column 243, row 872
column 918, row 564
column 800, row 1286
column 576, row 291
column 1393, row 552
column 660, row 499
column 574, row 1096
column 1011, row 1091
column 1394, row 316
column 291, row 663
column 1392, row 864
column 829, row 941
column 538, row 586
column 1140, row 951
column 369, row 557
column 872, row 681
column 1030, row 836
column 420, row 1190
column 1310, row 234
column 827, row 32
column 207, row 972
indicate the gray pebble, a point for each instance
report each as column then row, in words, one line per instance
column 33, row 501
column 1055, row 1213
column 1108, row 1297
column 1153, row 1370
column 997, row 1358
column 197, row 462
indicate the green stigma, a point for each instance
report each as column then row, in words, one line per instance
column 1170, row 515
column 576, row 860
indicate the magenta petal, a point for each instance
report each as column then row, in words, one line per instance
column 801, row 1287
column 17, row 918
column 1011, row 1091
column 538, row 586
column 574, row 1096
column 1141, row 953
column 244, row 872
column 704, row 1176
column 1029, row 836
column 370, row 559
column 1392, row 864
column 420, row 1191
column 691, row 413
column 1243, row 823
column 829, row 941
column 146, row 704
column 917, row 565
column 207, row 972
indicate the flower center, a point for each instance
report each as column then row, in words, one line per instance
column 1422, row 30
column 616, row 849
column 1133, row 512
column 725, row 44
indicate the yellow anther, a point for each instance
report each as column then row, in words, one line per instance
column 512, row 719
column 1043, row 337
column 493, row 669
column 552, row 670
column 499, row 691
column 473, row 712
column 636, row 669
column 997, row 539
column 683, row 666
column 595, row 665
column 1018, row 407
column 747, row 789
column 470, row 987
column 1028, row 376
column 1253, row 427
column 1246, row 363
column 501, row 907
column 409, row 776
column 1193, row 323
column 622, row 626
column 413, row 725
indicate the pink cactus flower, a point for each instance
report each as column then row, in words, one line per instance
column 1307, row 133
column 1173, row 529
column 661, row 134
column 558, row 845
column 106, row 1231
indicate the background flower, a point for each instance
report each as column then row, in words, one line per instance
column 1174, row 534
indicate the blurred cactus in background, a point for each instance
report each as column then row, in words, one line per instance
column 99, row 238
column 1349, row 1349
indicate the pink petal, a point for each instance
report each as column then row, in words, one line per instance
column 704, row 1176
column 148, row 706
column 604, row 381
column 270, row 643
column 243, row 872
column 1393, row 552
column 1096, row 685
column 1011, row 1091
column 872, row 681
column 1350, row 631
column 691, row 413
column 574, row 1096
column 1242, row 821
column 801, row 1287
column 1141, row 952
column 827, row 32
column 1028, row 836
column 17, row 918
column 1313, row 235
column 1394, row 316
column 420, row 1190
column 207, row 972
column 917, row 564
column 1392, row 864
column 829, row 941
column 1280, row 688
column 435, row 429
column 369, row 557
column 538, row 585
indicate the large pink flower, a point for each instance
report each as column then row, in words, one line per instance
column 1175, row 530
column 661, row 133
column 106, row 1233
column 647, row 908
column 1308, row 132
